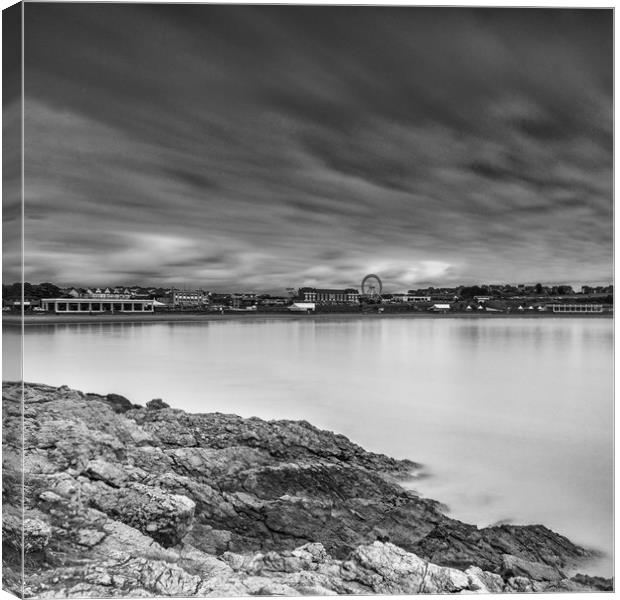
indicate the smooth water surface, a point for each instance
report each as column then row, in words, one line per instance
column 512, row 418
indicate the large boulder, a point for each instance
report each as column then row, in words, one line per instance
column 156, row 404
column 164, row 517
column 118, row 403
column 30, row 534
column 514, row 566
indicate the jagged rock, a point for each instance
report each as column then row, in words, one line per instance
column 483, row 581
column 11, row 528
column 36, row 533
column 105, row 471
column 90, row 537
column 119, row 403
column 388, row 569
column 515, row 566
column 164, row 517
column 31, row 534
column 599, row 583
column 156, row 404
column 375, row 568
column 519, row 584
column 128, row 501
column 48, row 496
column 460, row 545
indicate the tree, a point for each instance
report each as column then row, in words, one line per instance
column 32, row 291
column 471, row 291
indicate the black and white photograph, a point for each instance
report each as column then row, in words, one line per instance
column 306, row 299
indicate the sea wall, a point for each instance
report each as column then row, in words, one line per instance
column 123, row 500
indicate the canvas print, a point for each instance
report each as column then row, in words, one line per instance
column 306, row 300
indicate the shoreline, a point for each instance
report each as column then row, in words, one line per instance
column 16, row 320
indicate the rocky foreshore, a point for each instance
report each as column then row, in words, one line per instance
column 124, row 500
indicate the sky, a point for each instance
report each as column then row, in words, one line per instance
column 265, row 147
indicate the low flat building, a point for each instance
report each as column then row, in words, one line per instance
column 577, row 308
column 305, row 307
column 95, row 305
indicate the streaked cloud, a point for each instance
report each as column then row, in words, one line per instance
column 267, row 147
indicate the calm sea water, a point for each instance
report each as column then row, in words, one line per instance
column 512, row 418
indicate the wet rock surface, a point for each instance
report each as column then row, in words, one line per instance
column 122, row 500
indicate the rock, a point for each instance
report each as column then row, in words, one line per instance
column 460, row 545
column 376, row 568
column 129, row 501
column 313, row 552
column 49, row 496
column 30, row 534
column 164, row 579
column 90, row 537
column 104, row 471
column 519, row 584
column 388, row 569
column 119, row 404
column 122, row 542
column 37, row 534
column 12, row 530
column 515, row 566
column 483, row 581
column 164, row 517
column 156, row 404
column 602, row 584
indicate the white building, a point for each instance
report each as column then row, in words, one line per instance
column 329, row 296
column 189, row 297
column 577, row 308
column 305, row 307
column 96, row 305
column 440, row 307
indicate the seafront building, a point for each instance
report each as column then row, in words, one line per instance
column 188, row 297
column 577, row 308
column 441, row 307
column 413, row 298
column 328, row 296
column 304, row 307
column 96, row 305
column 98, row 301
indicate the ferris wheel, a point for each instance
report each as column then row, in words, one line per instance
column 372, row 286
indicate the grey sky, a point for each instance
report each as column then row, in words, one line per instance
column 267, row 147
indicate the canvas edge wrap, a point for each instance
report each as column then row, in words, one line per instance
column 13, row 546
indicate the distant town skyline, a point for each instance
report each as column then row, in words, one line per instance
column 266, row 147
column 387, row 289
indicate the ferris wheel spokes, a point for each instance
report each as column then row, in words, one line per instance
column 372, row 286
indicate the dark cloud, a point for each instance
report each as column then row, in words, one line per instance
column 272, row 146
column 193, row 179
